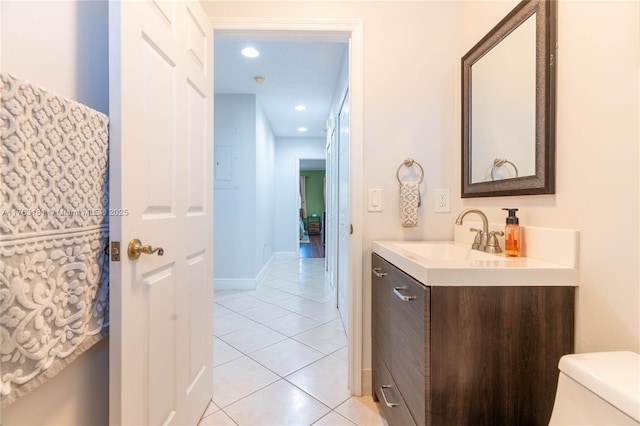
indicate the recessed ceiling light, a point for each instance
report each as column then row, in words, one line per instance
column 250, row 52
column 300, row 108
column 302, row 129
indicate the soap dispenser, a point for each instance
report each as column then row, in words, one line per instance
column 512, row 234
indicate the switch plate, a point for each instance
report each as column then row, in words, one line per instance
column 442, row 203
column 375, row 199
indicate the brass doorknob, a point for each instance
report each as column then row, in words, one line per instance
column 136, row 248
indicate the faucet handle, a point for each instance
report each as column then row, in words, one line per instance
column 493, row 246
column 477, row 241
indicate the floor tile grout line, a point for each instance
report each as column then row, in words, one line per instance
column 312, row 328
column 286, row 337
column 334, row 411
column 271, row 303
column 277, row 331
column 295, row 371
column 296, row 312
column 275, row 343
column 266, row 386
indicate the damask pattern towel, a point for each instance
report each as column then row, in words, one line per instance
column 53, row 234
column 409, row 203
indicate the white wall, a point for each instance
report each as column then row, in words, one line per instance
column 264, row 243
column 288, row 151
column 244, row 205
column 59, row 45
column 597, row 180
column 62, row 47
column 234, row 200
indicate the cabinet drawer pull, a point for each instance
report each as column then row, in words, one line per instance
column 378, row 272
column 396, row 291
column 386, row 401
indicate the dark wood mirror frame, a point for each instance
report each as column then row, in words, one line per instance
column 543, row 182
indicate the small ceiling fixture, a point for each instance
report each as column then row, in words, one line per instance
column 250, row 52
column 259, row 79
column 302, row 129
column 300, row 107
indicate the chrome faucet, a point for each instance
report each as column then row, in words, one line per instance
column 480, row 241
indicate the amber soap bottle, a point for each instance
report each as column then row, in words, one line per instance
column 512, row 234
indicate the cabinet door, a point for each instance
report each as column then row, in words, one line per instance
column 409, row 306
column 381, row 330
column 400, row 334
column 496, row 352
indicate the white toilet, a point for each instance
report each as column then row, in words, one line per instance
column 601, row 388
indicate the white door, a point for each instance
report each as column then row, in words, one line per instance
column 161, row 182
column 331, row 249
column 344, row 223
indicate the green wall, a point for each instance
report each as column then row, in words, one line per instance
column 315, row 189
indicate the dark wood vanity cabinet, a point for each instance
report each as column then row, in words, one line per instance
column 450, row 356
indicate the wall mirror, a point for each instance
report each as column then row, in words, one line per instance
column 508, row 105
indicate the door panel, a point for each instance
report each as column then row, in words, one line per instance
column 197, row 148
column 161, row 171
column 331, row 234
column 344, row 222
column 159, row 130
column 160, row 288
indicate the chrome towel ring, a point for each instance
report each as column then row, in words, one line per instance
column 499, row 162
column 409, row 162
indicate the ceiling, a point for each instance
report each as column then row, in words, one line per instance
column 295, row 72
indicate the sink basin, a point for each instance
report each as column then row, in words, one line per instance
column 445, row 263
column 448, row 251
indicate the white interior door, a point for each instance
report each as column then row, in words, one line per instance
column 344, row 222
column 331, row 251
column 161, row 182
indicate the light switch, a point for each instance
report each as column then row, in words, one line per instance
column 375, row 199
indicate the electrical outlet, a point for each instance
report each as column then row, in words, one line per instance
column 442, row 203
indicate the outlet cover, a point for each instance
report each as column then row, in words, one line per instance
column 442, row 203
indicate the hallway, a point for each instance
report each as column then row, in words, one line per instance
column 280, row 354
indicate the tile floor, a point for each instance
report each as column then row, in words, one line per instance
column 280, row 354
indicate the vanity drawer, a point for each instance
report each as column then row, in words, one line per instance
column 386, row 392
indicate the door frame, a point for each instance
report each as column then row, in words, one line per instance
column 350, row 31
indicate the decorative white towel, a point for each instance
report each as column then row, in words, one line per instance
column 409, row 203
column 54, row 283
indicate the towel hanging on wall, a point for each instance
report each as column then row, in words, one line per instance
column 409, row 196
column 53, row 268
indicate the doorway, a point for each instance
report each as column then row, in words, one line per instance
column 351, row 32
column 312, row 209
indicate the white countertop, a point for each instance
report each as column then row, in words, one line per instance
column 474, row 269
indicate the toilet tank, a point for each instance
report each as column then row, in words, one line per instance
column 601, row 388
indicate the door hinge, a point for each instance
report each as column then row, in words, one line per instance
column 114, row 253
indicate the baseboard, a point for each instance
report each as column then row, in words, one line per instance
column 265, row 269
column 367, row 382
column 243, row 283
column 286, row 255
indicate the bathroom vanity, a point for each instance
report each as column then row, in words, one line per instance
column 480, row 352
